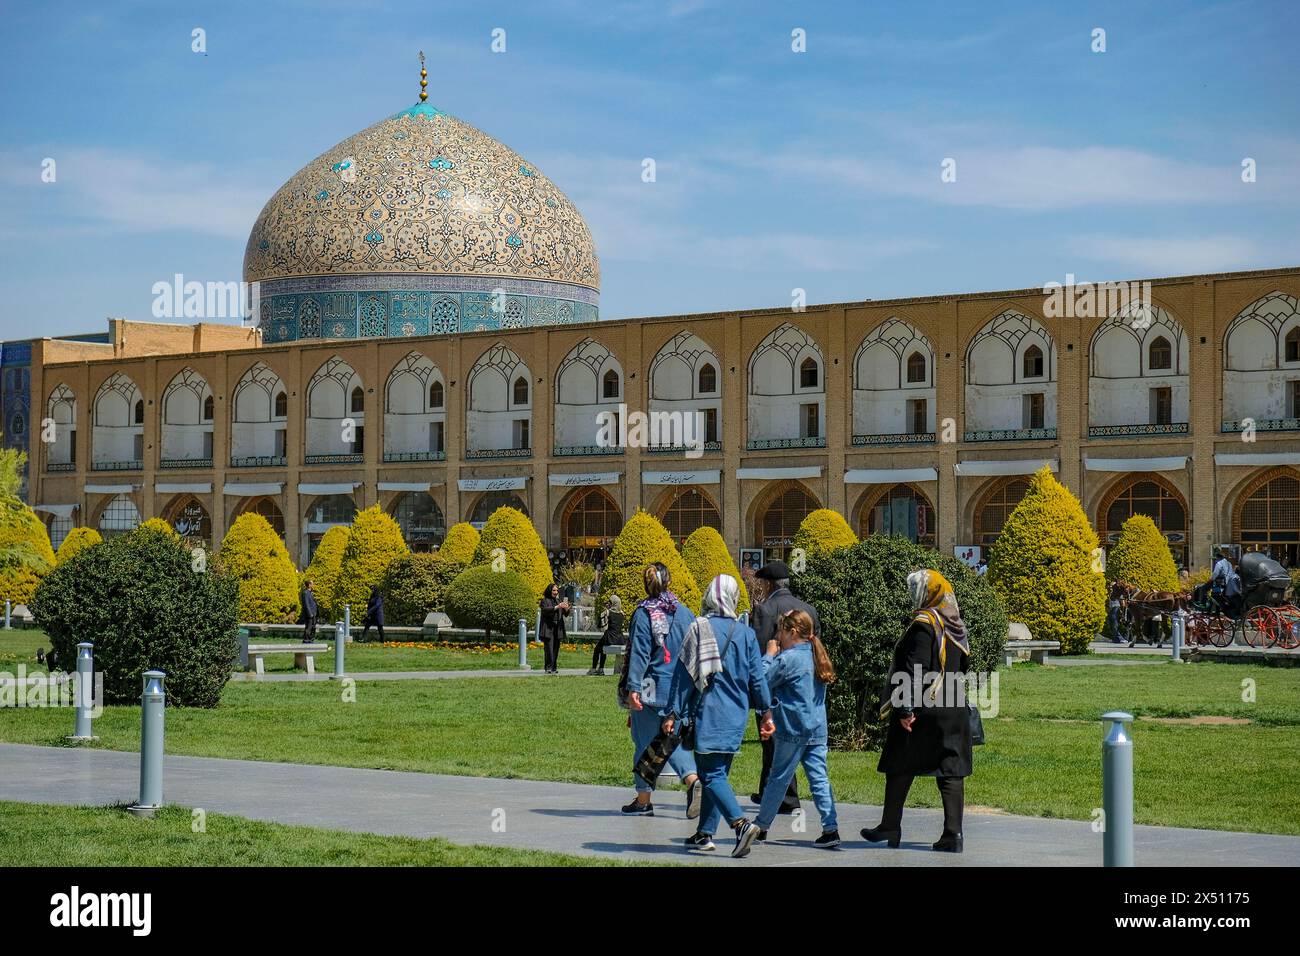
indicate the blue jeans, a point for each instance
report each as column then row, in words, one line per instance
column 790, row 752
column 719, row 799
column 645, row 724
column 1112, row 618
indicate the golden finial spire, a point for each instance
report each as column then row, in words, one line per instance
column 424, row 79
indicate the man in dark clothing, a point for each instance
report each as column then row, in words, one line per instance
column 374, row 614
column 308, row 619
column 776, row 576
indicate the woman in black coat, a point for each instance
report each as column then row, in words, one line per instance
column 552, row 632
column 929, row 732
column 374, row 614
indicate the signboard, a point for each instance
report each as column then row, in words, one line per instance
column 751, row 558
column 968, row 554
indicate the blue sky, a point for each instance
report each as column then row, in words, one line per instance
column 775, row 170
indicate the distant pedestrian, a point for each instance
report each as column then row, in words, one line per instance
column 308, row 617
column 374, row 614
column 553, row 631
column 611, row 622
column 982, row 568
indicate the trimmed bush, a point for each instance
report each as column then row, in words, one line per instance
column 706, row 555
column 1141, row 557
column 158, row 526
column 76, row 541
column 374, row 543
column 479, row 597
column 139, row 600
column 1041, row 567
column 643, row 541
column 860, row 594
column 254, row 555
column 25, row 551
column 580, row 574
column 414, row 585
column 823, row 530
column 459, row 545
column 323, row 571
column 510, row 530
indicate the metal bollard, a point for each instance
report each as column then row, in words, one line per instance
column 1117, row 790
column 153, row 702
column 523, row 645
column 84, row 700
column 340, row 637
column 8, row 611
column 1179, row 632
column 347, row 622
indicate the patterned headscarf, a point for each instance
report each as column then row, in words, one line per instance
column 721, row 598
column 934, row 602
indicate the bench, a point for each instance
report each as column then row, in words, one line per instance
column 304, row 655
column 1035, row 651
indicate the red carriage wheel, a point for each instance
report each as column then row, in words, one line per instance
column 1288, row 632
column 1262, row 626
column 1219, row 630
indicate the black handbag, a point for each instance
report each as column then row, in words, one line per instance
column 655, row 756
column 976, row 725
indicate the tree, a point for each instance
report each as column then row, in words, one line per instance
column 1141, row 557
column 860, row 594
column 255, row 556
column 373, row 544
column 323, row 572
column 823, row 530
column 643, row 541
column 1046, row 568
column 459, row 545
column 508, row 534
column 140, row 601
column 25, row 551
column 480, row 597
column 158, row 526
column 706, row 555
column 76, row 541
column 414, row 585
column 13, row 464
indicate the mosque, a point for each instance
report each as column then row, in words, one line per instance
column 428, row 338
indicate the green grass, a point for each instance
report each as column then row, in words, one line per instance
column 40, row 835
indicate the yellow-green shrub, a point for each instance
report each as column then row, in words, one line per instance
column 157, row 525
column 459, row 545
column 323, row 572
column 643, row 541
column 76, row 541
column 1141, row 557
column 26, row 555
column 824, row 530
column 510, row 530
column 1042, row 567
column 706, row 555
column 373, row 544
column 259, row 561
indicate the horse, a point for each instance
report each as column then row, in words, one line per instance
column 1148, row 608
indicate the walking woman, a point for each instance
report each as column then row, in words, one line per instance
column 553, row 630
column 929, row 731
column 798, row 670
column 374, row 614
column 611, row 622
column 655, row 637
column 717, row 683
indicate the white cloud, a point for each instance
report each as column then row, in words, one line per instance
column 1180, row 255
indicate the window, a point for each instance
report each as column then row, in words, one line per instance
column 420, row 519
column 611, row 384
column 139, row 411
column 1162, row 406
column 1033, row 362
column 1150, row 496
column 915, row 368
column 690, row 510
column 358, row 400
column 708, row 379
column 592, row 521
column 521, row 391
column 359, row 440
column 521, row 433
column 992, row 514
column 1293, row 345
column 809, row 420
column 119, row 516
column 1160, row 354
column 903, row 511
column 710, row 424
column 1034, row 410
column 281, row 407
column 490, row 501
column 435, row 395
column 808, row 374
column 917, row 417
column 207, row 409
column 137, row 448
column 437, row 436
column 72, row 446
column 778, row 524
column 207, row 445
column 18, row 426
column 281, row 446
column 1293, row 399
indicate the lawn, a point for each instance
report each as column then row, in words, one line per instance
column 35, row 834
column 1042, row 757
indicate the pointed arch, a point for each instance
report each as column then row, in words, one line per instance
column 415, row 411
column 117, row 438
column 186, row 432
column 893, row 386
column 787, row 391
column 497, row 425
column 259, row 411
column 588, row 389
column 1010, row 390
column 330, row 404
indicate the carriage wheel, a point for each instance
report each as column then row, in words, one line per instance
column 1288, row 633
column 1262, row 626
column 1220, row 630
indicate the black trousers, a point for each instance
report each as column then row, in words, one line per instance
column 366, row 630
column 952, row 790
column 309, row 630
column 791, row 801
column 551, row 651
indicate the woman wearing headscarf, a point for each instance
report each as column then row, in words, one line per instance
column 717, row 683
column 611, row 623
column 552, row 631
column 655, row 637
column 929, row 731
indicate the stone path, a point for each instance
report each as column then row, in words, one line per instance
column 402, row 675
column 573, row 818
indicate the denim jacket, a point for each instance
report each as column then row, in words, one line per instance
column 646, row 662
column 799, row 699
column 734, row 692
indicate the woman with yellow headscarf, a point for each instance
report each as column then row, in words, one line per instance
column 929, row 731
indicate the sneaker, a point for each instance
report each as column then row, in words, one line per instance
column 636, row 808
column 828, row 840
column 694, row 799
column 591, row 672
column 701, row 841
column 762, row 837
column 746, row 833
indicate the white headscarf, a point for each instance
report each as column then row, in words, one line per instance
column 722, row 596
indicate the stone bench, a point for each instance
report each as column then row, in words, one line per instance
column 1034, row 651
column 304, row 655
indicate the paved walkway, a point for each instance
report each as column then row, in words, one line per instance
column 403, row 675
column 572, row 818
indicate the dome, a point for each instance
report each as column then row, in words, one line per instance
column 420, row 224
